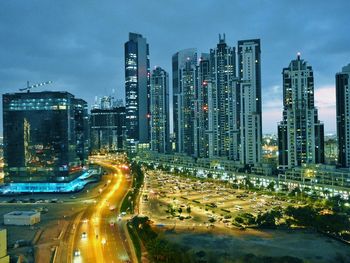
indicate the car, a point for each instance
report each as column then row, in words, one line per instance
column 77, row 253
column 84, row 235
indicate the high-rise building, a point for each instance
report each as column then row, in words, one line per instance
column 203, row 109
column 45, row 136
column 107, row 129
column 249, row 72
column 184, row 80
column 137, row 90
column 224, row 99
column 160, row 133
column 343, row 115
column 300, row 133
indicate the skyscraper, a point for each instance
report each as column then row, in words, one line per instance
column 300, row 133
column 184, row 80
column 203, row 110
column 249, row 73
column 343, row 115
column 224, row 97
column 160, row 133
column 137, row 90
column 45, row 136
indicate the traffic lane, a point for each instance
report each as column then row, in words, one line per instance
column 103, row 223
column 89, row 225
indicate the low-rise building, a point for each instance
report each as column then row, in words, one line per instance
column 22, row 218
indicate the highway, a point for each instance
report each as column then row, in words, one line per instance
column 105, row 240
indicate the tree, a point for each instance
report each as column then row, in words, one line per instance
column 271, row 186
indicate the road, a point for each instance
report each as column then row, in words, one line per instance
column 105, row 239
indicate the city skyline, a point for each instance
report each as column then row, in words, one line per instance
column 87, row 58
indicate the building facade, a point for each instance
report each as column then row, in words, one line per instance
column 137, row 91
column 249, row 104
column 108, row 130
column 184, row 65
column 223, row 100
column 343, row 115
column 160, row 123
column 203, row 110
column 300, row 133
column 45, row 136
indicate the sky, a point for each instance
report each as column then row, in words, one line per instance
column 79, row 45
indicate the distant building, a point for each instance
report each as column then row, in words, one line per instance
column 183, row 68
column 107, row 129
column 342, row 81
column 300, row 133
column 4, row 258
column 137, row 91
column 22, row 218
column 249, row 72
column 45, row 136
column 160, row 132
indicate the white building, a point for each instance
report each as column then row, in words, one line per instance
column 22, row 218
column 249, row 72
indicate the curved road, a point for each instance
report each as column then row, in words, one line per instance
column 105, row 239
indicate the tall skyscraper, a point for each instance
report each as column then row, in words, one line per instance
column 224, row 97
column 160, row 132
column 249, row 71
column 184, row 80
column 300, row 133
column 137, row 90
column 44, row 136
column 203, row 110
column 343, row 115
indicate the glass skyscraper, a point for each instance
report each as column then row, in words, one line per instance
column 137, row 90
column 45, row 136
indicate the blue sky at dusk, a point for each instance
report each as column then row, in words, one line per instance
column 79, row 45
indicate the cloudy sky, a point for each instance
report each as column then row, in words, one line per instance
column 79, row 44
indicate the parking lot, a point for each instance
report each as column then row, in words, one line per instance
column 170, row 199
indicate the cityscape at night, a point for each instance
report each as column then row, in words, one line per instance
column 176, row 132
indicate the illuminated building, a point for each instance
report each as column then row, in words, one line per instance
column 300, row 133
column 343, row 116
column 183, row 68
column 249, row 72
column 224, row 100
column 203, row 143
column 45, row 136
column 107, row 129
column 137, row 91
column 160, row 140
